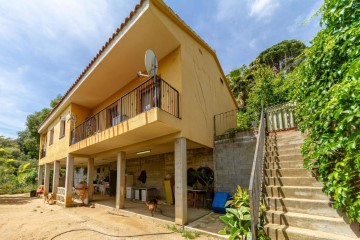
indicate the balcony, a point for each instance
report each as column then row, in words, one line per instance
column 149, row 95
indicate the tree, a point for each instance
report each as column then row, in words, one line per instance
column 29, row 139
column 240, row 83
column 329, row 104
column 282, row 56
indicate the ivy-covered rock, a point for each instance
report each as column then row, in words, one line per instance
column 328, row 103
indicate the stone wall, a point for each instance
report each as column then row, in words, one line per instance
column 233, row 158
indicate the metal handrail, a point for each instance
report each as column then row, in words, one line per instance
column 256, row 179
column 144, row 97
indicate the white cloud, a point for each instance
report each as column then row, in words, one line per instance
column 262, row 9
column 42, row 43
column 13, row 96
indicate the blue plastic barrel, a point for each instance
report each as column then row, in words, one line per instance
column 219, row 202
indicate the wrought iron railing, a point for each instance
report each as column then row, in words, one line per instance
column 148, row 95
column 256, row 178
column 280, row 117
column 225, row 121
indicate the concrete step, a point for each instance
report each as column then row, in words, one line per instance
column 288, row 172
column 333, row 225
column 292, row 181
column 283, row 232
column 284, row 164
column 301, row 192
column 297, row 157
column 281, row 152
column 286, row 135
column 282, row 142
column 275, row 147
column 308, row 206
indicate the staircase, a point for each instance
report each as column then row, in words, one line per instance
column 296, row 206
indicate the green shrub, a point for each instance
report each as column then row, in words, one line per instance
column 238, row 219
column 329, row 104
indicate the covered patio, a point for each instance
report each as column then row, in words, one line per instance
column 164, row 211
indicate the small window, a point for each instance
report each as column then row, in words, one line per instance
column 62, row 127
column 51, row 140
column 222, row 81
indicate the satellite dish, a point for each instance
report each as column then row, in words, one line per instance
column 151, row 63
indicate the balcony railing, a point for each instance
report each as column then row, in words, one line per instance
column 148, row 95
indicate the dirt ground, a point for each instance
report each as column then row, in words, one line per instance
column 22, row 217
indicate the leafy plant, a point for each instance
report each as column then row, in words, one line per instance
column 328, row 106
column 239, row 199
column 238, row 217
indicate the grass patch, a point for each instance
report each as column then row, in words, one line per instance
column 184, row 233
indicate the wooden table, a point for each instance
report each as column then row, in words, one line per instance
column 196, row 194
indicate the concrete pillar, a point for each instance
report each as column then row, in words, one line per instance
column 47, row 178
column 40, row 174
column 69, row 180
column 90, row 178
column 120, row 180
column 56, row 175
column 180, row 182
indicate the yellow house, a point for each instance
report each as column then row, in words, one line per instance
column 111, row 118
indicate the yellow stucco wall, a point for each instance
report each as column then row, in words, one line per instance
column 203, row 94
column 191, row 69
column 59, row 149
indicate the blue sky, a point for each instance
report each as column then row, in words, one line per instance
column 45, row 45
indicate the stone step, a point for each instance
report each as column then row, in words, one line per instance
column 333, row 225
column 308, row 206
column 296, row 192
column 297, row 157
column 283, row 232
column 292, row 181
column 285, row 152
column 288, row 172
column 284, row 164
column 275, row 147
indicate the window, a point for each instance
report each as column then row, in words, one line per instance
column 51, row 140
column 62, row 127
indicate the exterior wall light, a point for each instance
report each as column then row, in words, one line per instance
column 143, row 152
